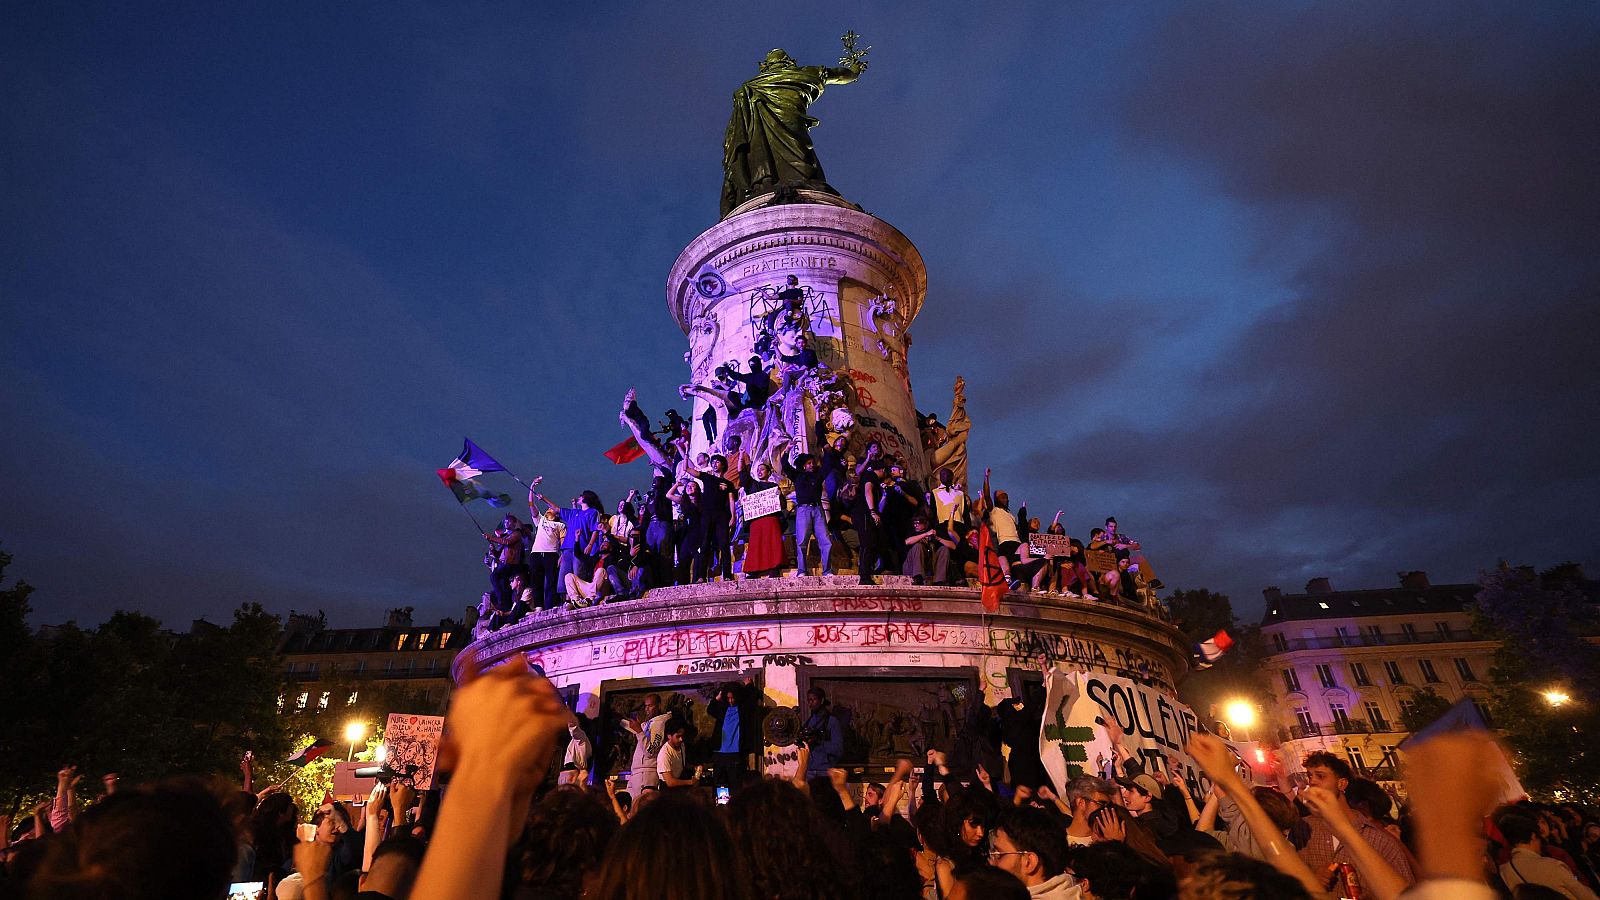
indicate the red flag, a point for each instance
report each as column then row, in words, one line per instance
column 625, row 452
column 990, row 576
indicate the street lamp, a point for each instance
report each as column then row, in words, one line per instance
column 1556, row 697
column 353, row 732
column 1240, row 714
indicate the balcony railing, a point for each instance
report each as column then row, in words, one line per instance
column 1366, row 640
column 1351, row 726
column 1380, row 773
column 1296, row 732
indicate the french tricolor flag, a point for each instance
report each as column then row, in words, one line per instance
column 1210, row 651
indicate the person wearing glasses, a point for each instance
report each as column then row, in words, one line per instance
column 1029, row 844
column 1085, row 795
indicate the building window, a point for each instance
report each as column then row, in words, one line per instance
column 1342, row 634
column 1392, row 669
column 1375, row 716
column 1280, row 644
column 444, row 638
column 423, row 640
column 1303, row 715
column 1339, row 714
column 388, row 666
column 289, row 669
column 361, row 666
column 1446, row 633
column 301, row 702
column 1375, row 634
column 1325, row 675
column 311, row 668
column 1357, row 761
column 402, row 640
column 1428, row 674
column 322, row 704
column 1483, row 710
column 1291, row 680
column 1359, row 670
column 1406, row 706
column 1391, row 757
column 352, row 700
column 1409, row 632
column 1464, row 669
column 280, row 702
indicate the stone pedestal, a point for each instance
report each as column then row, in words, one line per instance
column 865, row 282
column 906, row 660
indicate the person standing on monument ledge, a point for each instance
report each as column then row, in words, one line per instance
column 768, row 143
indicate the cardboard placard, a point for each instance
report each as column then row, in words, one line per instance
column 762, row 503
column 413, row 741
column 1099, row 561
column 1049, row 545
column 347, row 785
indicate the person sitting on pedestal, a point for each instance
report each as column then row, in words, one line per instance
column 928, row 552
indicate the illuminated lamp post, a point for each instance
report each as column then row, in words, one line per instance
column 1240, row 714
column 1556, row 698
column 353, row 732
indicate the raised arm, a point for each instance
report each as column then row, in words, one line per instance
column 893, row 791
column 1376, row 873
column 1217, row 761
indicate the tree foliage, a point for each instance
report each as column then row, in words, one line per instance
column 1541, row 621
column 1426, row 706
column 1200, row 614
column 131, row 698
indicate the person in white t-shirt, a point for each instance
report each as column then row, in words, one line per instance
column 672, row 764
column 544, row 557
column 575, row 765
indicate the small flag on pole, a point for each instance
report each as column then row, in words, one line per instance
column 311, row 751
column 1209, row 651
column 625, row 452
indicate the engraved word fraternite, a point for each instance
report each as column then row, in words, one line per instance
column 768, row 145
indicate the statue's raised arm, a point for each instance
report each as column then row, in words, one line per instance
column 768, row 144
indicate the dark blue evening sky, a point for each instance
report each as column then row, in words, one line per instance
column 1291, row 289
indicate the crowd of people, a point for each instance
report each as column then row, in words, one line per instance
column 864, row 514
column 501, row 826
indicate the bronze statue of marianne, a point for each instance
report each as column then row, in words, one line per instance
column 769, row 135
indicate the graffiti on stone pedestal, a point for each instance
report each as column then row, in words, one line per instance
column 876, row 604
column 1046, row 648
column 739, row 663
column 698, row 642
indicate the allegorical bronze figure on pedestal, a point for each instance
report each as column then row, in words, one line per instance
column 768, row 145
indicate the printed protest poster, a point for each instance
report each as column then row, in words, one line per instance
column 761, row 503
column 413, row 741
column 1156, row 727
column 1050, row 545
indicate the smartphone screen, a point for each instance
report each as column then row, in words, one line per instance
column 246, row 890
column 722, row 796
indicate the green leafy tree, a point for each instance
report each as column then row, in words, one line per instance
column 1200, row 614
column 132, row 698
column 1426, row 706
column 1542, row 621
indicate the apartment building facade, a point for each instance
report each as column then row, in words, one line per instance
column 1345, row 666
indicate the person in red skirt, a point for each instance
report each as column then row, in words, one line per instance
column 763, row 551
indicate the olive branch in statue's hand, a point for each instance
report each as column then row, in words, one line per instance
column 854, row 57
